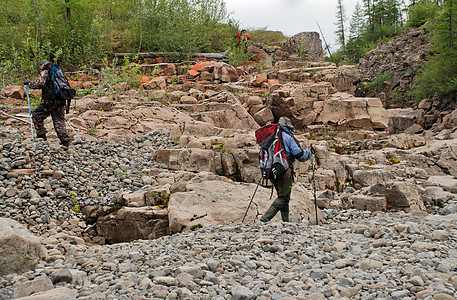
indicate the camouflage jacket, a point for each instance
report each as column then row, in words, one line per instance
column 44, row 83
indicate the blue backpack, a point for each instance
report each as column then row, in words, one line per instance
column 61, row 85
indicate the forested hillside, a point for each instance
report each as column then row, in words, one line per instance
column 374, row 21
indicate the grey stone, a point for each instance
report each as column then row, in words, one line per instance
column 39, row 284
column 241, row 293
column 21, row 250
column 62, row 275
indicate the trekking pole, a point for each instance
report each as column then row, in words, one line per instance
column 69, row 124
column 251, row 199
column 30, row 110
column 314, row 187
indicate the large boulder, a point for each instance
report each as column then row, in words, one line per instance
column 299, row 102
column 448, row 159
column 404, row 141
column 264, row 116
column 154, row 196
column 342, row 78
column 217, row 202
column 212, row 70
column 101, row 104
column 447, row 182
column 133, row 223
column 230, row 153
column 371, row 177
column 306, row 44
column 449, row 120
column 20, row 250
column 317, row 103
column 400, row 119
column 370, row 203
column 404, row 196
column 232, row 116
column 15, row 91
column 190, row 159
column 346, row 112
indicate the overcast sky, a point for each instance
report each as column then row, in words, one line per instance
column 291, row 16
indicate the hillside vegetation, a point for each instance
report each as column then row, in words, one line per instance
column 78, row 34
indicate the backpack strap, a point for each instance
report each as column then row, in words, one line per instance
column 53, row 70
column 280, row 132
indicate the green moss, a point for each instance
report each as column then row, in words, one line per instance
column 393, row 160
column 76, row 208
column 217, row 144
column 195, row 227
column 342, row 150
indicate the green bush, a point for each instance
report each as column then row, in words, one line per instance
column 182, row 26
column 237, row 56
column 378, row 83
column 266, row 37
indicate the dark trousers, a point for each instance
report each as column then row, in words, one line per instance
column 283, row 188
column 55, row 109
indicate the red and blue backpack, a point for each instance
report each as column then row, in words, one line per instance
column 272, row 158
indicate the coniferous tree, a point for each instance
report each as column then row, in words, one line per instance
column 341, row 18
column 369, row 12
column 357, row 23
column 357, row 30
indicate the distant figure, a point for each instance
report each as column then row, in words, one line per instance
column 243, row 37
column 51, row 105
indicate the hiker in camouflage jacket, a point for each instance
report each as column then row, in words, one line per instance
column 50, row 106
column 283, row 185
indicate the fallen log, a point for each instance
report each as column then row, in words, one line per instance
column 15, row 117
column 210, row 56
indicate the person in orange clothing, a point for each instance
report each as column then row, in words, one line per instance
column 243, row 37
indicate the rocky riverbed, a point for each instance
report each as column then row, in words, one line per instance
column 351, row 255
column 41, row 181
column 149, row 204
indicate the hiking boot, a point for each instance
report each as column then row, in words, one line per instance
column 42, row 136
column 65, row 144
column 65, row 141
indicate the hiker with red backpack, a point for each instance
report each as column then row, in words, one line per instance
column 52, row 104
column 243, row 37
column 276, row 162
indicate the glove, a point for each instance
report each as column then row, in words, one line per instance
column 312, row 148
column 26, row 82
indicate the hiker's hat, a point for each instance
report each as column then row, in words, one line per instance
column 43, row 62
column 285, row 122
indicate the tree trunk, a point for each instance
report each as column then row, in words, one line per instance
column 451, row 39
column 68, row 11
